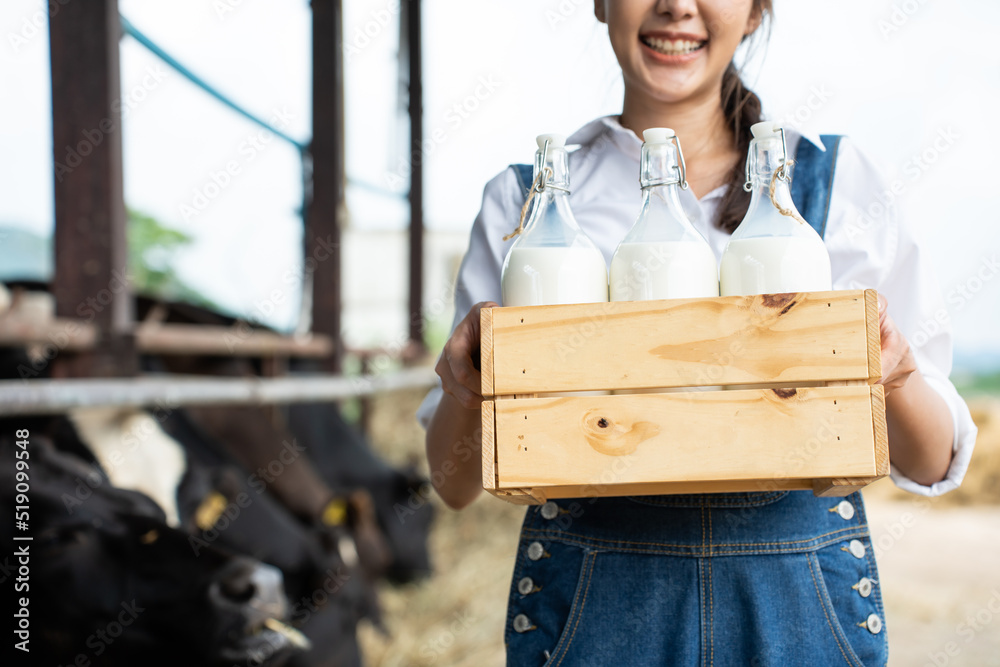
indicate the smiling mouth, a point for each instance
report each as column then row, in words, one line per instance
column 678, row 47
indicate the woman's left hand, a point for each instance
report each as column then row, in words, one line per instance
column 897, row 357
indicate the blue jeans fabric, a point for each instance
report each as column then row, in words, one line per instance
column 758, row 579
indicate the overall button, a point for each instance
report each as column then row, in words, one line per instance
column 873, row 623
column 522, row 623
column 526, row 585
column 846, row 510
column 550, row 510
column 856, row 548
column 863, row 587
column 535, row 550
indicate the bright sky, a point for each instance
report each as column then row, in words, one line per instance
column 892, row 74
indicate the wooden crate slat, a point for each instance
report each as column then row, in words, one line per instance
column 652, row 488
column 486, row 350
column 700, row 436
column 489, row 451
column 523, row 496
column 778, row 339
column 874, row 335
column 881, row 431
column 840, row 486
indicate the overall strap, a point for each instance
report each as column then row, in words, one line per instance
column 812, row 179
column 524, row 173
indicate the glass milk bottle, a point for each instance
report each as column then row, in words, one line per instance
column 663, row 256
column 773, row 250
column 552, row 261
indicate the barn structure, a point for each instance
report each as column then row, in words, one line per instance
column 328, row 526
column 94, row 359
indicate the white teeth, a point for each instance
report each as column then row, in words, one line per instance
column 678, row 47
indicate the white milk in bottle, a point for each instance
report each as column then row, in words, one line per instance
column 663, row 256
column 553, row 261
column 773, row 250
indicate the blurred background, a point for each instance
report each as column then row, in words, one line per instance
column 915, row 83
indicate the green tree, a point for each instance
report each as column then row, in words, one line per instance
column 151, row 251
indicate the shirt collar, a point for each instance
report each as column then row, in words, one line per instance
column 808, row 135
column 625, row 139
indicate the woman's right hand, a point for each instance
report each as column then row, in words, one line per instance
column 457, row 365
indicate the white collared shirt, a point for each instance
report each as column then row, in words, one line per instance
column 868, row 246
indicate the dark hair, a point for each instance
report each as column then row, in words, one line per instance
column 741, row 107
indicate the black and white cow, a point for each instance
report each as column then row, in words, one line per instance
column 197, row 488
column 112, row 584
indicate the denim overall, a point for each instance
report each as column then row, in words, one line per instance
column 768, row 578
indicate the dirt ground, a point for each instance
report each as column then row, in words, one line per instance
column 939, row 564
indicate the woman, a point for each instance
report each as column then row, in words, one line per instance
column 729, row 579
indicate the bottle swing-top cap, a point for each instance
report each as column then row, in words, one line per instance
column 767, row 129
column 555, row 140
column 654, row 139
column 658, row 135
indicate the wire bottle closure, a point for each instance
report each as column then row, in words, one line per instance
column 780, row 174
column 681, row 171
column 540, row 183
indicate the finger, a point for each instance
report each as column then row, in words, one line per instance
column 883, row 307
column 474, row 315
column 460, row 362
column 466, row 375
column 468, row 399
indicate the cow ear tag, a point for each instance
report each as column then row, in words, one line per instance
column 335, row 512
column 209, row 510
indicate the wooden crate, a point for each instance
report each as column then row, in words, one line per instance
column 775, row 391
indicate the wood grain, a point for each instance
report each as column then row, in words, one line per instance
column 708, row 436
column 658, row 488
column 486, row 350
column 840, row 486
column 880, row 430
column 522, row 496
column 489, row 450
column 874, row 336
column 775, row 339
column 801, row 411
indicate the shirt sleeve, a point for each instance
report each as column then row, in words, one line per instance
column 479, row 274
column 871, row 248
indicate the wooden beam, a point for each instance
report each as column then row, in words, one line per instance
column 195, row 339
column 326, row 194
column 65, row 335
column 91, row 273
column 69, row 335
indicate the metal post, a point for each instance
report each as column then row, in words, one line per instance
column 91, row 272
column 414, row 42
column 323, row 247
